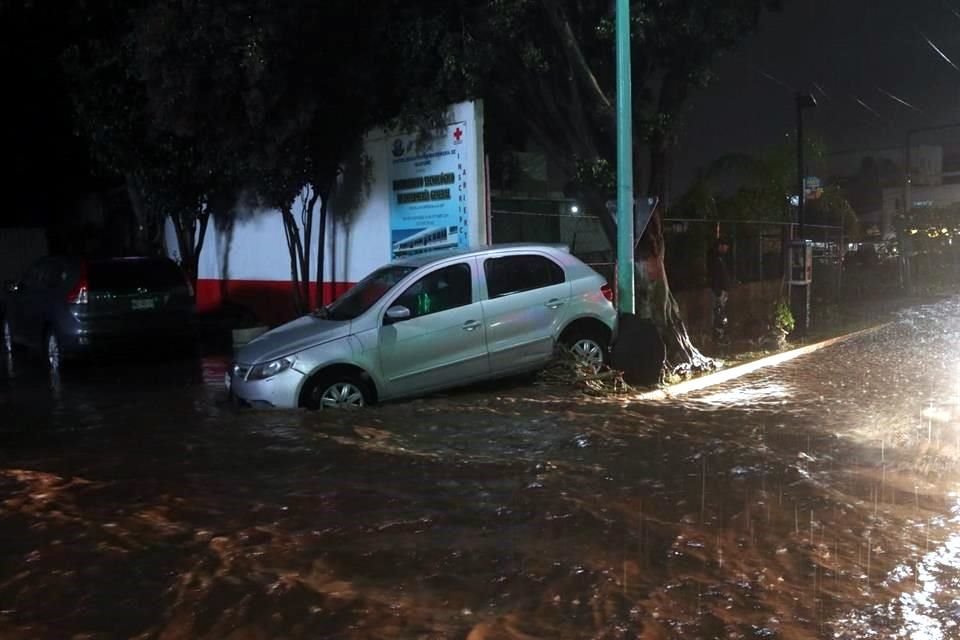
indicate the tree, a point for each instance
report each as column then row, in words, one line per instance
column 280, row 100
column 169, row 173
column 761, row 188
column 547, row 66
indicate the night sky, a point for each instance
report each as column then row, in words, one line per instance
column 852, row 49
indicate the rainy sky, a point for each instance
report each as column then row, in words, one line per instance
column 863, row 59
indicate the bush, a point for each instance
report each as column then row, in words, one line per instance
column 782, row 319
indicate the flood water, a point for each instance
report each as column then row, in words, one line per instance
column 816, row 499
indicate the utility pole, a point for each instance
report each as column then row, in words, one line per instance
column 799, row 259
column 804, row 101
column 625, row 232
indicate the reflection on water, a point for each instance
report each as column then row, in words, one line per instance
column 811, row 500
column 927, row 606
column 747, row 395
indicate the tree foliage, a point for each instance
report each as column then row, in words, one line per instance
column 761, row 187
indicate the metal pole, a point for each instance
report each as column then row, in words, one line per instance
column 625, row 241
column 905, row 258
column 907, row 177
column 801, row 197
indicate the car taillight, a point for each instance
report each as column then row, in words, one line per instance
column 79, row 295
column 607, row 292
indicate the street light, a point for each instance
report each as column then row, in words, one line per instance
column 804, row 101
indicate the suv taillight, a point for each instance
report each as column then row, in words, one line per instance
column 79, row 294
column 607, row 291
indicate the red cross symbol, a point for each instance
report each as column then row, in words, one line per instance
column 458, row 134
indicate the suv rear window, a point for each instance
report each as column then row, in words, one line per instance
column 512, row 274
column 131, row 276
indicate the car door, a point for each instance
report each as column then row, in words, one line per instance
column 526, row 295
column 442, row 343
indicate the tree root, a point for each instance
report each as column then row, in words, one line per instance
column 566, row 369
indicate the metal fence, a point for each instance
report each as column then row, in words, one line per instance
column 756, row 246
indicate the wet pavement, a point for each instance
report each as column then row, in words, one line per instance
column 814, row 499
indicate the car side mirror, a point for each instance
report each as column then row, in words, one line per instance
column 397, row 313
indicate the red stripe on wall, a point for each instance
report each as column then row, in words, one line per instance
column 270, row 300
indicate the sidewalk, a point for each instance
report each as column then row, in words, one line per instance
column 744, row 355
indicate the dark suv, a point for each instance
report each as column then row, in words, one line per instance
column 63, row 306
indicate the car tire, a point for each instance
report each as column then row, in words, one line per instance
column 52, row 351
column 6, row 337
column 591, row 347
column 337, row 390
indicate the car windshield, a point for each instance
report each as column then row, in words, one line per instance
column 366, row 293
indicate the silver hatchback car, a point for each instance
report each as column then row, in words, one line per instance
column 431, row 322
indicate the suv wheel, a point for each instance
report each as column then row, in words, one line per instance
column 52, row 351
column 6, row 338
column 337, row 390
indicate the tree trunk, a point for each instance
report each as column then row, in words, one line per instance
column 654, row 299
column 295, row 249
column 139, row 208
column 682, row 357
column 185, row 228
column 322, row 245
column 306, row 220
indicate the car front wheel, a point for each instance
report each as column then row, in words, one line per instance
column 337, row 390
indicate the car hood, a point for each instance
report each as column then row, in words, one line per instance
column 292, row 338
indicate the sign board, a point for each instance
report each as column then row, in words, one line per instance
column 643, row 209
column 812, row 188
column 428, row 192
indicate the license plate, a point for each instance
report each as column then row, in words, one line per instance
column 143, row 304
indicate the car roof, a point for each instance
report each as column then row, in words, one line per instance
column 426, row 259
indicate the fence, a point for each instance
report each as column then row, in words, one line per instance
column 756, row 246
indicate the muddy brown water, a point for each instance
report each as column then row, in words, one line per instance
column 815, row 499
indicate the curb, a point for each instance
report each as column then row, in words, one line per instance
column 726, row 375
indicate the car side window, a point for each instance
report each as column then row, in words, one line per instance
column 439, row 290
column 513, row 274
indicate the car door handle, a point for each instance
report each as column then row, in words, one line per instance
column 554, row 304
column 471, row 325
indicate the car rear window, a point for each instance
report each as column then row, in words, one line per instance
column 131, row 276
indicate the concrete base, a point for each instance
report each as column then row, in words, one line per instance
column 639, row 351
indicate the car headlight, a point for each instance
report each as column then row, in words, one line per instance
column 269, row 369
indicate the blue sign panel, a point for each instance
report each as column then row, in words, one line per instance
column 428, row 192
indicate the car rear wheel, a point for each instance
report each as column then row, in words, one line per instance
column 6, row 338
column 52, row 351
column 338, row 390
column 587, row 347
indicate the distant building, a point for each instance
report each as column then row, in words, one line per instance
column 874, row 182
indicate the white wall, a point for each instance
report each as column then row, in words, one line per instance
column 361, row 241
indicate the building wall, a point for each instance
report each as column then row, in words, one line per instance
column 247, row 262
column 943, row 195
